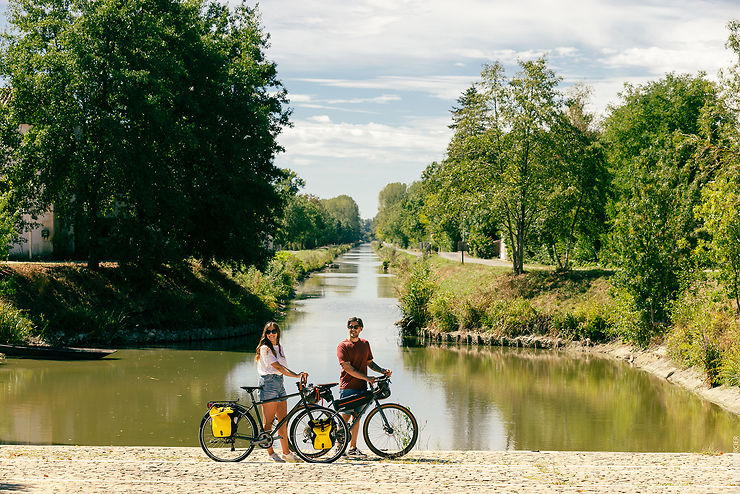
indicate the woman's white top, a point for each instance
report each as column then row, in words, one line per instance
column 267, row 358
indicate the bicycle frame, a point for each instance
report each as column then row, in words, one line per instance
column 300, row 405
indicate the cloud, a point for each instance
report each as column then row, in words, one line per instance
column 440, row 86
column 318, row 137
column 660, row 60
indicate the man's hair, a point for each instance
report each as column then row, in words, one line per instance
column 357, row 320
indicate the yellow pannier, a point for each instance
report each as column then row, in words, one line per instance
column 221, row 421
column 321, row 433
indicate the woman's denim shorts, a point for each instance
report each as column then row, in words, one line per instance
column 272, row 387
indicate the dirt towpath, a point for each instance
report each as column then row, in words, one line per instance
column 186, row 470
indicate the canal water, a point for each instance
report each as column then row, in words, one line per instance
column 463, row 397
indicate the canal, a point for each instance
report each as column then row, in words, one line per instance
column 463, row 397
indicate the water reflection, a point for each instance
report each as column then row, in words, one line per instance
column 543, row 400
column 464, row 398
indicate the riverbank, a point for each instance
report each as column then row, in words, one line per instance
column 482, row 304
column 133, row 469
column 68, row 304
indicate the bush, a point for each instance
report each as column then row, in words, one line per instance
column 729, row 370
column 416, row 292
column 592, row 322
column 442, row 312
column 14, row 326
column 705, row 334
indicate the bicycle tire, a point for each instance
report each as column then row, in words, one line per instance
column 396, row 442
column 232, row 448
column 300, row 435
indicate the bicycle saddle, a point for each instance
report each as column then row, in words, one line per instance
column 249, row 389
column 326, row 386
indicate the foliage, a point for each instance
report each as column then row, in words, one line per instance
column 647, row 241
column 705, row 333
column 152, row 125
column 15, row 327
column 720, row 213
column 575, row 214
column 346, row 217
column 415, row 293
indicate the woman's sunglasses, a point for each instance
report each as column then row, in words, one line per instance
column 270, row 331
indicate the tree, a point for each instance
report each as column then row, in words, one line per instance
column 391, row 194
column 581, row 184
column 346, row 215
column 652, row 140
column 152, row 123
column 720, row 212
column 499, row 158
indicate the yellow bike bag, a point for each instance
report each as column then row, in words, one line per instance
column 321, row 432
column 221, row 421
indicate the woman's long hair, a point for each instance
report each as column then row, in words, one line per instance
column 264, row 340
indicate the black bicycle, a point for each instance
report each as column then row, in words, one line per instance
column 390, row 430
column 229, row 431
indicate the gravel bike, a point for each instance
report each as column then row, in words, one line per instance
column 390, row 430
column 317, row 434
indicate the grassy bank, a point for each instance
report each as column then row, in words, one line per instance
column 444, row 296
column 117, row 305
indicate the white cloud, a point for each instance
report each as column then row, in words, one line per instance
column 661, row 60
column 442, row 86
column 419, row 141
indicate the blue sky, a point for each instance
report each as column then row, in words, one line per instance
column 371, row 82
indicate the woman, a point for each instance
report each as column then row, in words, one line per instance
column 271, row 366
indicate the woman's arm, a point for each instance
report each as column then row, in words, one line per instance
column 288, row 372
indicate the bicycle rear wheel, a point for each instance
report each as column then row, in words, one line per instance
column 301, row 435
column 235, row 447
column 394, row 436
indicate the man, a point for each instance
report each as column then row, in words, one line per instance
column 355, row 357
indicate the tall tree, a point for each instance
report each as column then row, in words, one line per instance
column 499, row 158
column 343, row 209
column 576, row 208
column 651, row 146
column 153, row 123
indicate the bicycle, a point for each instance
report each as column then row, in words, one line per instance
column 390, row 430
column 317, row 434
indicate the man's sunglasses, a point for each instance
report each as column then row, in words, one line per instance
column 354, row 326
column 270, row 331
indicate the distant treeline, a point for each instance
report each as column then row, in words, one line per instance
column 652, row 191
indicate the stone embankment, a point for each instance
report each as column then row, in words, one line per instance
column 136, row 469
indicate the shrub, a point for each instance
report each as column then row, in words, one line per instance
column 705, row 334
column 729, row 370
column 442, row 312
column 14, row 326
column 416, row 292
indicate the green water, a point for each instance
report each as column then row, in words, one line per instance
column 463, row 397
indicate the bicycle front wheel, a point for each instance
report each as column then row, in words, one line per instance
column 302, row 435
column 390, row 430
column 235, row 447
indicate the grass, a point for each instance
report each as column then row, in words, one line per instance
column 489, row 299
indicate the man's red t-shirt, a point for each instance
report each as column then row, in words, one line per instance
column 357, row 354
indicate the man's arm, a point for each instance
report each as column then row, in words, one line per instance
column 355, row 373
column 373, row 366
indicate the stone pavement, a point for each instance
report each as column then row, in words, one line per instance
column 187, row 470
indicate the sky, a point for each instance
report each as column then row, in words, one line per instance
column 371, row 82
